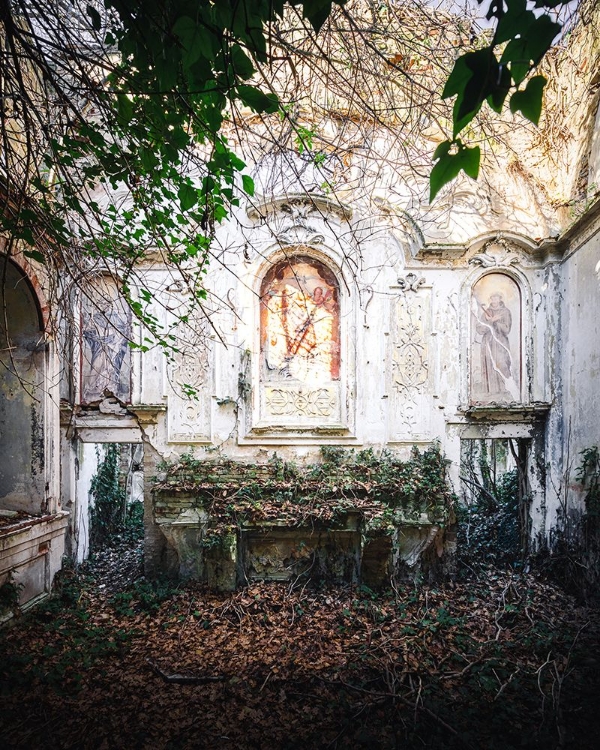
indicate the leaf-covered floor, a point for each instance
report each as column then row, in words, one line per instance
column 504, row 661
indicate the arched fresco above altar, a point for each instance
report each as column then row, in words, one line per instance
column 300, row 350
column 300, row 322
column 495, row 340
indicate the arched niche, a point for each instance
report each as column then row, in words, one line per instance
column 496, row 340
column 301, row 363
column 105, row 336
column 300, row 322
column 22, row 360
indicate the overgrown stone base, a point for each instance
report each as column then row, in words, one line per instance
column 354, row 518
column 281, row 553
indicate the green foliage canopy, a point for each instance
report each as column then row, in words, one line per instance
column 493, row 73
column 130, row 99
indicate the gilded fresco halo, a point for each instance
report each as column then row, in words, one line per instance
column 495, row 340
column 300, row 322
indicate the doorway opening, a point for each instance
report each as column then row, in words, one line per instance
column 110, row 497
column 493, row 511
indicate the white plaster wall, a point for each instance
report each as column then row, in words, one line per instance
column 370, row 293
column 576, row 419
column 87, row 466
column 373, row 242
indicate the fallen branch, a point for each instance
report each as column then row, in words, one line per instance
column 184, row 679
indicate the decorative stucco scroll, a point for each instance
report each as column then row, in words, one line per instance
column 320, row 402
column 410, row 366
column 411, row 282
column 189, row 377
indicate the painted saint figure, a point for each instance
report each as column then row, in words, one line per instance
column 105, row 366
column 493, row 324
column 300, row 326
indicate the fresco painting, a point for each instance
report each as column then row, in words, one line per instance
column 300, row 322
column 495, row 340
column 105, row 350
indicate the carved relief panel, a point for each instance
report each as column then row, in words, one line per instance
column 300, row 343
column 495, row 340
column 410, row 371
column 189, row 378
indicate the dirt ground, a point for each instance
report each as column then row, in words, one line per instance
column 503, row 660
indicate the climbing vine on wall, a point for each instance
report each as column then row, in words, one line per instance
column 574, row 557
column 107, row 513
column 588, row 473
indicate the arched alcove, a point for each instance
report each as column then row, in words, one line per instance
column 300, row 322
column 495, row 340
column 300, row 374
column 22, row 361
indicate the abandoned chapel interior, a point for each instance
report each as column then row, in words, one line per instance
column 352, row 341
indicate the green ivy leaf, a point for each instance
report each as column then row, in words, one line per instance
column 248, row 185
column 472, row 80
column 442, row 149
column 541, row 35
column 524, row 52
column 316, row 11
column 458, row 78
column 35, row 255
column 549, row 3
column 188, row 32
column 242, row 64
column 449, row 165
column 257, row 99
column 516, row 21
column 500, row 90
column 95, row 18
column 124, row 109
column 219, row 213
column 148, row 159
column 188, row 196
column 529, row 101
column 515, row 55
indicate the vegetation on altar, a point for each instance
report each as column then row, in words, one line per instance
column 382, row 489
